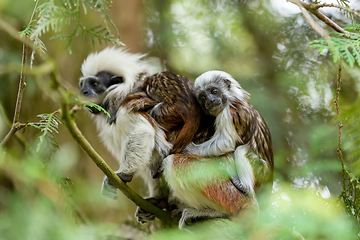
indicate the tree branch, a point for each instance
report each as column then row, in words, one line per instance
column 310, row 20
column 320, row 5
column 15, row 124
column 165, row 217
column 336, row 101
column 345, row 174
column 314, row 10
column 18, row 137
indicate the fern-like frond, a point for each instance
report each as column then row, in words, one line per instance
column 344, row 3
column 49, row 126
column 347, row 46
column 103, row 6
column 52, row 17
column 101, row 34
column 28, row 29
column 91, row 106
column 352, row 27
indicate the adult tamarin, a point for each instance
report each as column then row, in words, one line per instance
column 119, row 82
column 238, row 126
column 223, row 186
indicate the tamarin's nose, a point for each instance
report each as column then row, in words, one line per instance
column 85, row 92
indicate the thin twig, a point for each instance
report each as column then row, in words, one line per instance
column 22, row 84
column 336, row 101
column 19, row 138
column 310, row 20
column 23, row 125
column 317, row 6
column 15, row 124
column 322, row 17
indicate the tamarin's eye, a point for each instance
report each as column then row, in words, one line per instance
column 93, row 83
column 214, row 91
column 202, row 97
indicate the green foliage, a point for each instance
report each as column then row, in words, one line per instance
column 34, row 204
column 91, row 106
column 48, row 125
column 351, row 127
column 350, row 194
column 344, row 3
column 55, row 14
column 28, row 29
column 352, row 27
column 345, row 46
column 293, row 214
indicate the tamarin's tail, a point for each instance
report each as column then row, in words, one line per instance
column 188, row 131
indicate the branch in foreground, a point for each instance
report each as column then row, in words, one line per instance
column 165, row 217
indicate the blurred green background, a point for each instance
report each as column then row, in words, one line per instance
column 262, row 44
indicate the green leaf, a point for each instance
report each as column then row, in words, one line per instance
column 28, row 29
column 97, row 107
column 344, row 46
column 48, row 125
column 89, row 105
column 352, row 27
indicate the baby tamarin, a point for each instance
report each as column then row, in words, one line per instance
column 237, row 125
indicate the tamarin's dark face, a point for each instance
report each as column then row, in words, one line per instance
column 212, row 97
column 95, row 86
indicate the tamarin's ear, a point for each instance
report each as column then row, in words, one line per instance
column 227, row 83
column 117, row 79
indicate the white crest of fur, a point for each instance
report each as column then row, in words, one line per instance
column 235, row 92
column 117, row 61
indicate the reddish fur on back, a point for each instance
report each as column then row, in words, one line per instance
column 228, row 196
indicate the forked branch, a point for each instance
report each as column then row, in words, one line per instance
column 314, row 9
